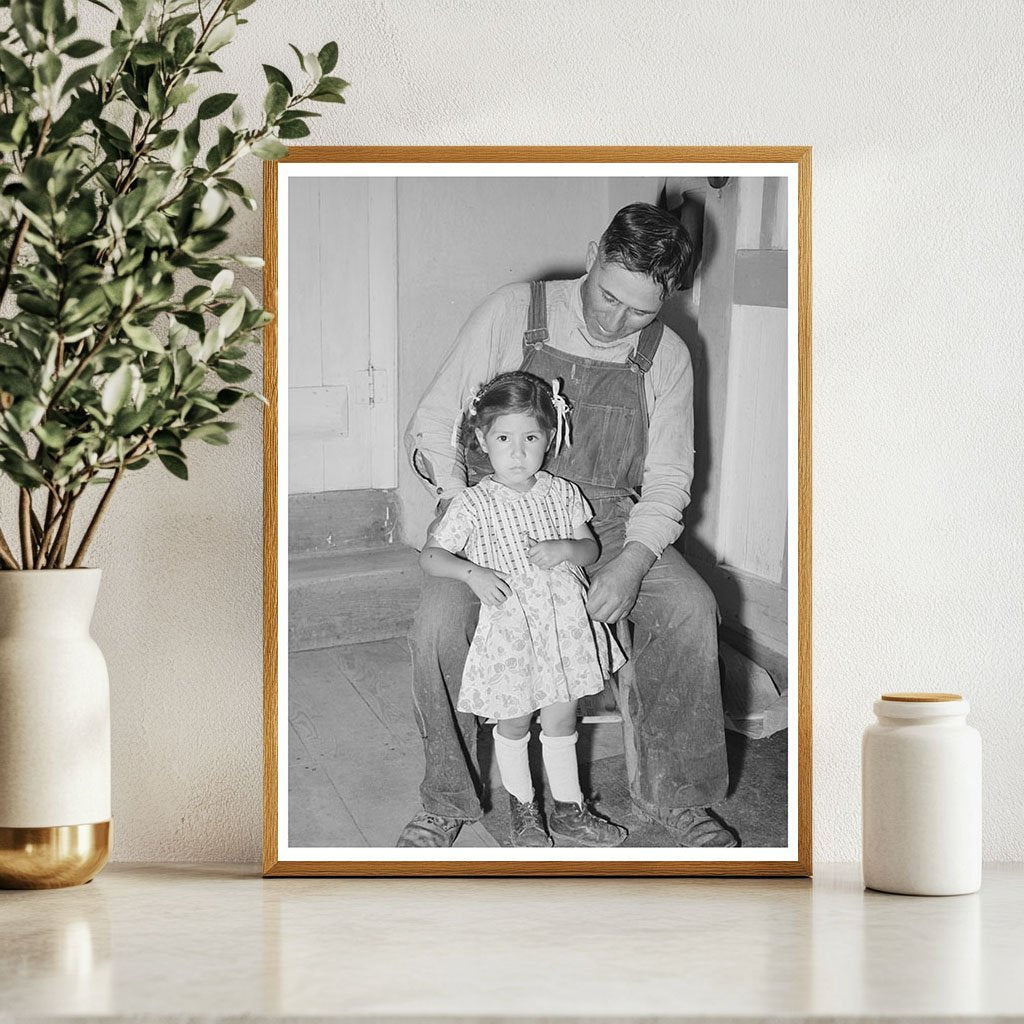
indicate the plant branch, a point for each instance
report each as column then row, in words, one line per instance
column 6, row 555
column 25, row 522
column 60, row 544
column 86, row 358
column 90, row 531
column 19, row 234
column 51, row 523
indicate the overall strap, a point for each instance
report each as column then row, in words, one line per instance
column 537, row 319
column 642, row 357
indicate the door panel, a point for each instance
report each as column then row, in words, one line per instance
column 342, row 334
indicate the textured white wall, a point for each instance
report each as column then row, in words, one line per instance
column 914, row 115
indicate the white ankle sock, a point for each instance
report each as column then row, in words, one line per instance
column 562, row 769
column 514, row 765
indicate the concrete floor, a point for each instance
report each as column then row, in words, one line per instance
column 355, row 761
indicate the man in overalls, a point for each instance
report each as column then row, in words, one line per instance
column 629, row 382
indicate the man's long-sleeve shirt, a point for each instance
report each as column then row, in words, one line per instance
column 491, row 342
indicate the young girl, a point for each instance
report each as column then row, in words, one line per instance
column 524, row 535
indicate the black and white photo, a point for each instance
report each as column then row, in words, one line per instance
column 536, row 502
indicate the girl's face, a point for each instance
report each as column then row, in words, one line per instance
column 516, row 444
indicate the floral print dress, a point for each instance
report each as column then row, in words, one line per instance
column 539, row 646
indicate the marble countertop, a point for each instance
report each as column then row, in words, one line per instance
column 174, row 942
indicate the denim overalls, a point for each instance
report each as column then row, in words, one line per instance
column 673, row 726
column 608, row 404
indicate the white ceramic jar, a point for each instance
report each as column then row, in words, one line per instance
column 921, row 779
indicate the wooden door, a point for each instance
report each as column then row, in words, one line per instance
column 342, row 334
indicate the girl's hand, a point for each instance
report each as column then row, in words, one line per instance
column 546, row 554
column 489, row 585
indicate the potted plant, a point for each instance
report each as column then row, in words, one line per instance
column 122, row 339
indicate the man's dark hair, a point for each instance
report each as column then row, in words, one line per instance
column 647, row 240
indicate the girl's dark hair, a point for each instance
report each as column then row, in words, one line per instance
column 511, row 392
column 648, row 240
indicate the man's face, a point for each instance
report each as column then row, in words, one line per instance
column 617, row 302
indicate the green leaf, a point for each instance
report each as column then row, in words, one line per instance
column 211, row 433
column 184, row 44
column 292, row 130
column 181, row 94
column 16, row 70
column 129, row 207
column 53, row 14
column 26, row 414
column 11, row 356
column 116, row 133
column 77, row 79
column 193, row 379
column 221, row 35
column 35, row 304
column 149, row 53
column 128, row 421
column 195, row 297
column 164, row 375
column 111, row 62
column 116, row 390
column 227, row 397
column 143, row 338
column 232, row 319
column 83, row 48
column 234, row 6
column 232, row 373
column 328, row 57
column 269, row 149
column 276, row 99
column 49, row 68
column 11, row 442
column 21, row 471
column 222, row 282
column 311, row 65
column 133, row 13
column 334, row 84
column 175, row 465
column 216, row 104
column 163, row 139
column 324, row 96
column 26, row 20
column 279, row 77
column 53, row 435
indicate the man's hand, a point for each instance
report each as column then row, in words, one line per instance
column 614, row 588
column 546, row 554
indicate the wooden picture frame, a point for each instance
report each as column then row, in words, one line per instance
column 422, row 222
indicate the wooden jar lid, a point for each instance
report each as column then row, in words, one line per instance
column 921, row 698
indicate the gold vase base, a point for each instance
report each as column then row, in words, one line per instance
column 53, row 857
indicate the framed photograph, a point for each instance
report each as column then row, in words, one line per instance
column 537, row 511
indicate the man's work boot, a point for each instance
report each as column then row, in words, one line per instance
column 695, row 826
column 430, row 830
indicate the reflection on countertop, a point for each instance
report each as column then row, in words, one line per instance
column 181, row 940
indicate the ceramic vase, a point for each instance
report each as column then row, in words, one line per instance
column 54, row 731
